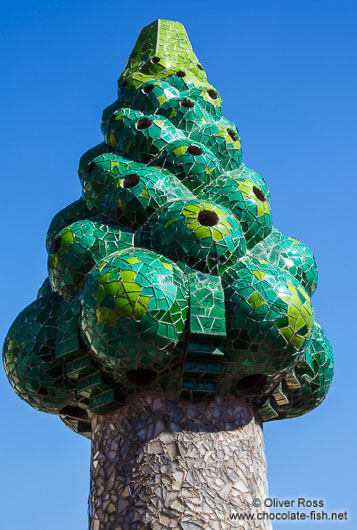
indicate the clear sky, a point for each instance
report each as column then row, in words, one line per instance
column 287, row 74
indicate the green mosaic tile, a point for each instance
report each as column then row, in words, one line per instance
column 99, row 176
column 267, row 411
column 67, row 333
column 198, row 389
column 207, row 310
column 208, row 98
column 291, row 255
column 29, row 354
column 305, row 386
column 248, row 203
column 136, row 194
column 206, row 237
column 129, row 296
column 184, row 113
column 90, row 155
column 194, row 164
column 201, row 369
column 92, row 385
column 163, row 50
column 140, row 136
column 203, row 350
column 167, row 273
column 78, row 247
column 79, row 368
column 81, row 427
column 72, row 213
column 244, row 173
column 45, row 288
column 106, row 402
column 152, row 95
column 269, row 317
column 224, row 142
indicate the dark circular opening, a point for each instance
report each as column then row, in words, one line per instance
column 212, row 94
column 251, row 384
column 194, row 150
column 207, row 218
column 233, row 135
column 259, row 194
column 144, row 123
column 188, row 103
column 141, row 377
column 131, row 180
column 199, row 66
column 55, row 245
column 74, row 412
column 155, row 60
column 180, row 73
column 148, row 88
column 88, row 169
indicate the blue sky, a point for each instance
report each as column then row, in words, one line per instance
column 287, row 74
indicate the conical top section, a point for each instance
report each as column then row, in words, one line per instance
column 163, row 49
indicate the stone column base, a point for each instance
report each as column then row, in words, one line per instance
column 161, row 462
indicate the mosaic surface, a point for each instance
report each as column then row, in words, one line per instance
column 181, row 464
column 168, row 274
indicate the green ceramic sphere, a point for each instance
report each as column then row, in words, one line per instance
column 134, row 307
column 77, row 248
column 185, row 113
column 306, row 385
column 314, row 372
column 201, row 234
column 224, row 142
column 248, row 203
column 137, row 194
column 75, row 211
column 194, row 164
column 291, row 255
column 29, row 354
column 244, row 173
column 141, row 136
column 208, row 98
column 151, row 95
column 99, row 176
column 269, row 317
column 91, row 154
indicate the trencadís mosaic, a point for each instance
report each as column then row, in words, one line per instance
column 168, row 272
